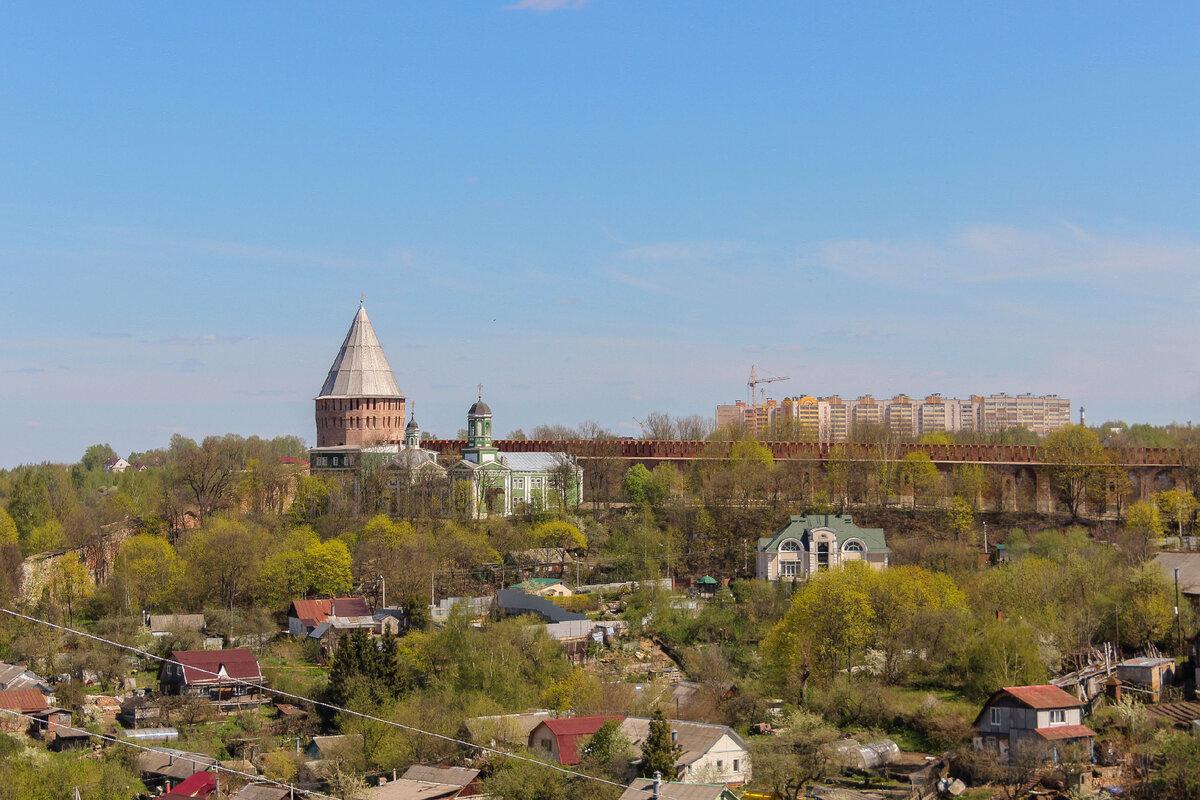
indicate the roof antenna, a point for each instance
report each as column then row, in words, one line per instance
column 479, row 392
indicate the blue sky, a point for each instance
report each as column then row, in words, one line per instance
column 595, row 208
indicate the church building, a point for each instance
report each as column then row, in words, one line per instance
column 360, row 417
column 501, row 483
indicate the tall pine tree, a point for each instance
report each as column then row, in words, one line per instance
column 659, row 751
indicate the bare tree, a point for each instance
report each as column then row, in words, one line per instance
column 694, row 428
column 658, row 425
column 208, row 471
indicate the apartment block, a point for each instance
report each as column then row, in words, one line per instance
column 834, row 419
column 900, row 415
column 866, row 411
column 831, row 419
column 1038, row 413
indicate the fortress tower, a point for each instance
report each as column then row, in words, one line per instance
column 360, row 402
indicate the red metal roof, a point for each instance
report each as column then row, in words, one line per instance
column 568, row 731
column 1065, row 732
column 313, row 612
column 25, row 701
column 1044, row 696
column 201, row 666
column 198, row 784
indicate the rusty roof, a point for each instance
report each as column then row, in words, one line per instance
column 1043, row 696
column 25, row 701
column 1059, row 732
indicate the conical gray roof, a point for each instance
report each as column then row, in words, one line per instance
column 360, row 369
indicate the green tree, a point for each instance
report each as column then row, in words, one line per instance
column 145, row 573
column 831, row 617
column 328, row 567
column 1144, row 517
column 608, row 752
column 8, row 529
column 638, row 485
column 223, row 560
column 1179, row 505
column 659, row 750
column 961, row 517
column 560, row 533
column 29, row 500
column 971, row 482
column 1003, row 653
column 95, row 457
column 918, row 472
column 1177, row 769
column 311, row 500
column 69, row 584
column 1077, row 464
column 522, row 780
column 48, row 536
column 1147, row 608
column 798, row 757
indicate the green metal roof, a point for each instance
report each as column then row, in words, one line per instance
column 708, row 580
column 797, row 528
column 536, row 583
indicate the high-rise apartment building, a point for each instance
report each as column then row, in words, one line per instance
column 804, row 413
column 835, row 419
column 866, row 411
column 1038, row 413
column 831, row 419
column 900, row 414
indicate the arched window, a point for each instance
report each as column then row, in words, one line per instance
column 853, row 546
column 790, row 546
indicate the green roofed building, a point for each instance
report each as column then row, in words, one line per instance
column 814, row 542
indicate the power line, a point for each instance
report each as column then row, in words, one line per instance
column 320, row 703
column 215, row 765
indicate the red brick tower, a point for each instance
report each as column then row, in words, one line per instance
column 360, row 402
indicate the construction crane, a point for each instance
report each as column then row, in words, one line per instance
column 755, row 381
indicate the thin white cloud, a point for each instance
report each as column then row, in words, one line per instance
column 680, row 251
column 637, row 282
column 996, row 253
column 545, row 6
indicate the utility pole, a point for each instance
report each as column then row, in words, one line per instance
column 985, row 541
column 383, row 592
column 1178, row 622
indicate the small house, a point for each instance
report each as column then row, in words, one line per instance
column 709, row 753
column 197, row 785
column 707, row 586
column 561, row 738
column 304, row 616
column 18, row 676
column 166, row 624
column 165, row 766
column 116, row 465
column 1043, row 715
column 328, row 748
column 1147, row 676
column 544, row 587
column 230, row 678
column 27, row 702
column 647, row 788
